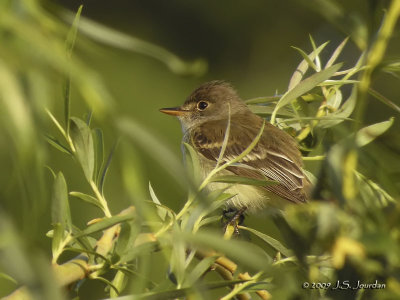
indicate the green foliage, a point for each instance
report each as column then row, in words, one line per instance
column 349, row 231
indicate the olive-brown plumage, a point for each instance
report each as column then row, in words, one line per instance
column 204, row 118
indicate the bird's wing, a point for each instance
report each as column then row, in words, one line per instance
column 274, row 157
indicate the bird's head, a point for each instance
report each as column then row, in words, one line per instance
column 211, row 101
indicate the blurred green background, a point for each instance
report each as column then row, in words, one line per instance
column 244, row 42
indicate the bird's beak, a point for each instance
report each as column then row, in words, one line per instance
column 173, row 111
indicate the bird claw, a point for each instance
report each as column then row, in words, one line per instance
column 232, row 225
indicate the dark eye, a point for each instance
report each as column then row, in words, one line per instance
column 202, row 105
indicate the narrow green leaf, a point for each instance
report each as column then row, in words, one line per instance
column 57, row 240
column 303, row 67
column 51, row 171
column 106, row 166
column 384, row 100
column 83, row 142
column 57, row 144
column 105, row 223
column 336, row 53
column 317, row 60
column 69, row 45
column 88, row 117
column 270, row 241
column 243, row 180
column 83, row 241
column 266, row 99
column 87, row 198
column 67, row 104
column 306, row 58
column 303, row 87
column 378, row 193
column 71, row 37
column 98, row 153
column 334, row 99
column 337, row 82
column 367, row 134
column 60, row 213
column 160, row 211
column 8, row 277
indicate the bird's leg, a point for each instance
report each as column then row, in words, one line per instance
column 235, row 220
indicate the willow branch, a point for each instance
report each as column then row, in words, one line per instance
column 78, row 268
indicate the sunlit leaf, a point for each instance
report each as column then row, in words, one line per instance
column 160, row 211
column 336, row 53
column 307, row 58
column 304, row 86
column 367, row 134
column 259, row 100
column 341, row 114
column 303, row 67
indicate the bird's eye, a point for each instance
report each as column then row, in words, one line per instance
column 202, row 105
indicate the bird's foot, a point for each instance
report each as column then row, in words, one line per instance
column 235, row 218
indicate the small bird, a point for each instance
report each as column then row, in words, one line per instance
column 204, row 117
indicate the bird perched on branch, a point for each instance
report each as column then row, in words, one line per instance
column 204, row 118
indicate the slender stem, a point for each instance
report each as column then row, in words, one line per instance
column 101, row 199
column 375, row 56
